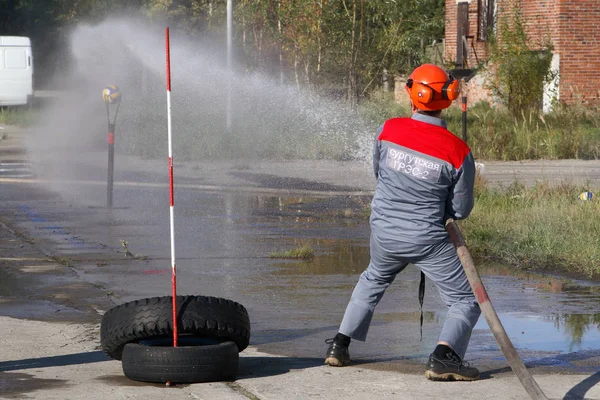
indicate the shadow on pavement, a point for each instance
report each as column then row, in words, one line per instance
column 54, row 361
column 257, row 367
column 487, row 374
column 578, row 391
column 271, row 336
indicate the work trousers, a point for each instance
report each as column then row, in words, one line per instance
column 440, row 263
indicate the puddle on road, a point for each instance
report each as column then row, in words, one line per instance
column 540, row 313
column 333, row 257
column 555, row 332
column 14, row 290
column 230, row 236
column 39, row 310
column 20, row 386
column 10, row 285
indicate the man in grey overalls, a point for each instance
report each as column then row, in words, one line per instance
column 425, row 174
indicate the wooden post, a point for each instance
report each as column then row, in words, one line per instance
column 462, row 30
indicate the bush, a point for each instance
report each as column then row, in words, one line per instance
column 518, row 68
column 495, row 134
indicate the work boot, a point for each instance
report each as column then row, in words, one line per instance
column 337, row 354
column 450, row 368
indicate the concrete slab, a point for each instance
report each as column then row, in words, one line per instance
column 48, row 360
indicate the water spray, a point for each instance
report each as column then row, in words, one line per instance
column 171, row 197
column 124, row 328
column 111, row 95
column 229, row 64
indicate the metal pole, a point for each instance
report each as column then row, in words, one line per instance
column 229, row 60
column 171, row 196
column 111, row 164
column 111, row 158
column 111, row 149
column 491, row 317
column 464, row 115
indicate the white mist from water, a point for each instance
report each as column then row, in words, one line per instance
column 269, row 120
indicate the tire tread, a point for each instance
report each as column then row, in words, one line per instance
column 152, row 317
column 187, row 364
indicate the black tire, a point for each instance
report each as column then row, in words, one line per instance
column 152, row 318
column 187, row 364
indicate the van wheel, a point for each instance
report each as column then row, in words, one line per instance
column 186, row 364
column 152, row 318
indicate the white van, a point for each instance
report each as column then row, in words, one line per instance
column 16, row 71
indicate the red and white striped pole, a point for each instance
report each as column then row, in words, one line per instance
column 171, row 197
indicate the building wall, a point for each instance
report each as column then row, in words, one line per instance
column 579, row 43
column 541, row 22
column 450, row 32
column 572, row 27
column 475, row 88
column 450, row 36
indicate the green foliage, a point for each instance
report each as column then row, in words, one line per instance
column 542, row 227
column 407, row 27
column 519, row 68
column 19, row 116
column 345, row 45
column 303, row 252
column 495, row 134
column 380, row 106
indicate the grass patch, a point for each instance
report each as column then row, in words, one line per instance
column 494, row 134
column 128, row 253
column 568, row 131
column 303, row 252
column 545, row 227
column 18, row 116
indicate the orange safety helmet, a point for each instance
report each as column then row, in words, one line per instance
column 430, row 88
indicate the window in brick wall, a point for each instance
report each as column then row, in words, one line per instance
column 485, row 18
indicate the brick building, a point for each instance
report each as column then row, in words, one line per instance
column 572, row 26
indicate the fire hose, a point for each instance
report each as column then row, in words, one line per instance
column 512, row 357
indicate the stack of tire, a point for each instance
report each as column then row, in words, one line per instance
column 211, row 332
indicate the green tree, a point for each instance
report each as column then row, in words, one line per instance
column 519, row 68
column 344, row 45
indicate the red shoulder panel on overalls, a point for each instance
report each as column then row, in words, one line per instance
column 429, row 139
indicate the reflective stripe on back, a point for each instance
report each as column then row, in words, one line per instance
column 425, row 138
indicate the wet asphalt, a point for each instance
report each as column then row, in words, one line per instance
column 225, row 236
